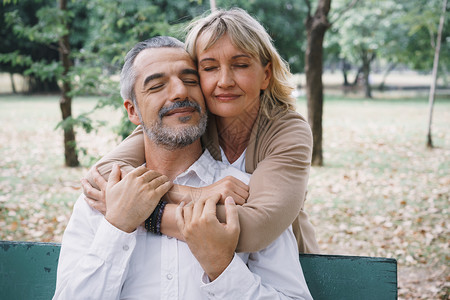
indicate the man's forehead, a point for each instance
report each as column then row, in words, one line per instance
column 163, row 57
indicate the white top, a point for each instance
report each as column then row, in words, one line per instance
column 99, row 261
column 238, row 164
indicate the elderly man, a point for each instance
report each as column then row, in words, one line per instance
column 114, row 257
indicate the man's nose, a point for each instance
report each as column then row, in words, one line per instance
column 178, row 90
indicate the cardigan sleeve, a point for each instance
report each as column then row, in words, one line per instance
column 280, row 152
column 129, row 154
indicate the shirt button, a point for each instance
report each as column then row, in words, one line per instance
column 125, row 247
column 169, row 276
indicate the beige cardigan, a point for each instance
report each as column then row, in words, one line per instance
column 278, row 157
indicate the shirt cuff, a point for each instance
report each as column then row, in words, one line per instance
column 236, row 275
column 113, row 245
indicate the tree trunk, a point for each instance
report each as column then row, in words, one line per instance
column 367, row 59
column 65, row 102
column 212, row 4
column 344, row 72
column 435, row 70
column 382, row 85
column 13, row 86
column 316, row 26
column 355, row 80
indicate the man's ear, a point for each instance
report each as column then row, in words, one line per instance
column 132, row 112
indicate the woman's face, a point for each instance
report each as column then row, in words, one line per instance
column 231, row 79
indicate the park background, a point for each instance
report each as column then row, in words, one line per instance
column 378, row 190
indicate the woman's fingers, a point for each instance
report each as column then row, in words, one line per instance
column 238, row 199
column 97, row 205
column 98, row 179
column 115, row 176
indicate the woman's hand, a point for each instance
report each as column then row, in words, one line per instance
column 226, row 187
column 95, row 197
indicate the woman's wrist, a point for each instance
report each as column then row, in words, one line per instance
column 179, row 193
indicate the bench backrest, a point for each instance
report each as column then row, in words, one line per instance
column 28, row 271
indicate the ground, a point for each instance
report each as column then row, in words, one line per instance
column 381, row 192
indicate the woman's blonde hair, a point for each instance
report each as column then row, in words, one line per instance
column 250, row 36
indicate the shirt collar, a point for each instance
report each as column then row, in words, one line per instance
column 204, row 168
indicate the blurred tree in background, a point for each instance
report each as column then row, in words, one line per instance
column 19, row 52
column 101, row 32
column 393, row 32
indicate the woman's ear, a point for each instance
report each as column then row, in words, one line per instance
column 132, row 112
column 267, row 76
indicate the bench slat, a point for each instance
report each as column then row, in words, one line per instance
column 350, row 277
column 28, row 271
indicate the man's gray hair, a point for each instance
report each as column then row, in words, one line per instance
column 128, row 74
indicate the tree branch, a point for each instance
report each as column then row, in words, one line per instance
column 344, row 10
column 308, row 4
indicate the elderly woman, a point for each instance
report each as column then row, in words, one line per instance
column 252, row 126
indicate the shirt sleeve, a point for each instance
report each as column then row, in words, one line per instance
column 94, row 256
column 273, row 273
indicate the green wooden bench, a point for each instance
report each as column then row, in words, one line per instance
column 28, row 271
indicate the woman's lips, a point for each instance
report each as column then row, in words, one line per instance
column 226, row 97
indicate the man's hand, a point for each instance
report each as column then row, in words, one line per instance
column 211, row 242
column 131, row 200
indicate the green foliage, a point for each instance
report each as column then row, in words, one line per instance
column 422, row 18
column 45, row 70
column 284, row 20
column 368, row 28
column 396, row 31
column 84, row 121
column 16, row 59
column 17, row 51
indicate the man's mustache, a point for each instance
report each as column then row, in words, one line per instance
column 179, row 104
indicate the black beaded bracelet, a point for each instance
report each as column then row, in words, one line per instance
column 153, row 222
column 158, row 220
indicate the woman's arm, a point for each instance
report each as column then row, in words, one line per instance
column 129, row 154
column 279, row 156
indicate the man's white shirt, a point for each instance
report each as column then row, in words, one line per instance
column 99, row 261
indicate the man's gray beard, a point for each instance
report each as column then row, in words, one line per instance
column 173, row 139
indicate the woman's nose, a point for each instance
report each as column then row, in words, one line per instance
column 225, row 78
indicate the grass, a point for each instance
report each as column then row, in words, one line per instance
column 381, row 192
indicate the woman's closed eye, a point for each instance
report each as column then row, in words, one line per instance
column 208, row 68
column 242, row 66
